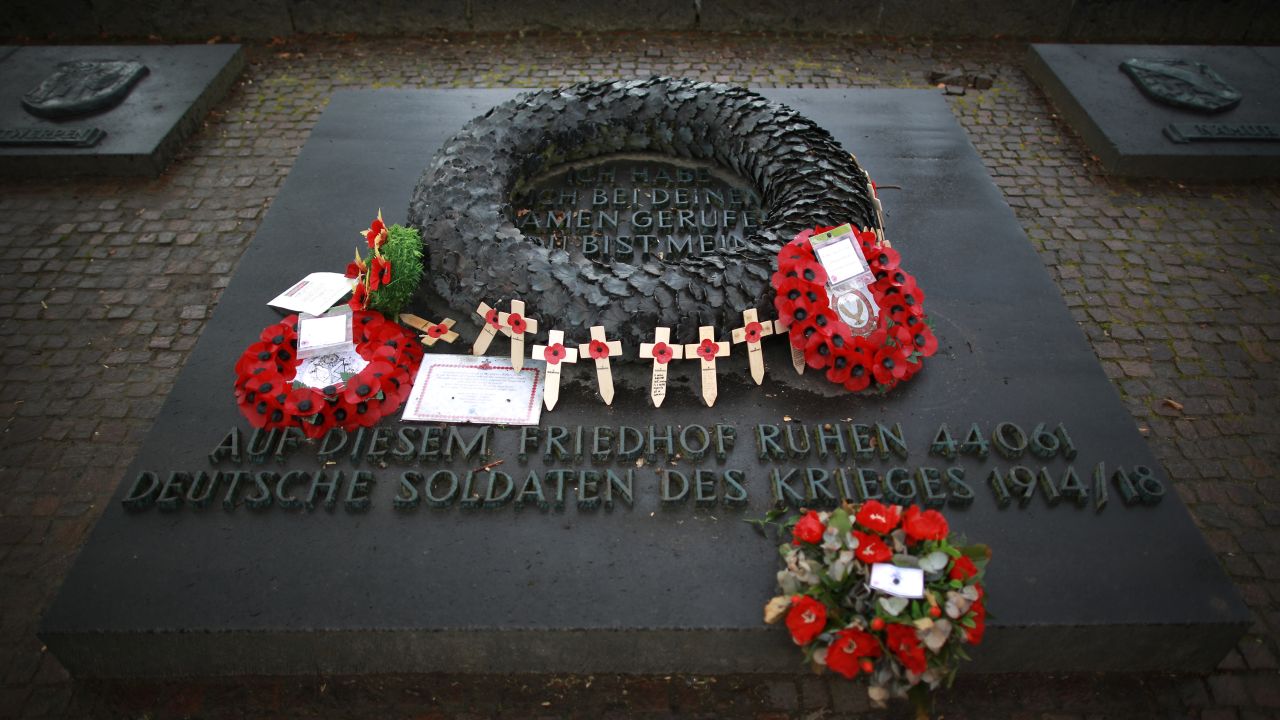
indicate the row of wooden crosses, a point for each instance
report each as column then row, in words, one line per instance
column 515, row 325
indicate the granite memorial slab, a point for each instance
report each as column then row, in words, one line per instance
column 611, row 538
column 1217, row 118
column 108, row 109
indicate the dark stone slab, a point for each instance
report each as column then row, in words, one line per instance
column 1125, row 129
column 1160, row 21
column 143, row 133
column 643, row 588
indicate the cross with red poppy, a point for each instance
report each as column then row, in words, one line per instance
column 515, row 325
column 751, row 332
column 661, row 353
column 600, row 349
column 707, row 350
column 491, row 327
column 797, row 353
column 555, row 353
column 431, row 332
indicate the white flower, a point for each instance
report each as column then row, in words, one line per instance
column 839, row 569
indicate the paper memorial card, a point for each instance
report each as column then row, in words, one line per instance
column 333, row 368
column 707, row 350
column 313, row 294
column 899, row 581
column 848, row 275
column 751, row 332
column 325, row 334
column 469, row 389
column 661, row 352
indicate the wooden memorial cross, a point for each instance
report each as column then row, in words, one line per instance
column 797, row 355
column 431, row 332
column 751, row 332
column 515, row 324
column 661, row 353
column 707, row 350
column 600, row 349
column 554, row 352
column 491, row 327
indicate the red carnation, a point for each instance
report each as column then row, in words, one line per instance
column 598, row 350
column 871, row 549
column 878, row 517
column 962, row 569
column 927, row 525
column 809, row 529
column 848, row 648
column 978, row 614
column 662, row 353
column 902, row 641
column 806, row 619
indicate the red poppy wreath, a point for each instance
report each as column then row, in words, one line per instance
column 269, row 398
column 892, row 354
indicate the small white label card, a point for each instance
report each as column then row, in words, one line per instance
column 470, row 389
column 313, row 294
column 848, row 276
column 841, row 256
column 899, row 581
column 325, row 334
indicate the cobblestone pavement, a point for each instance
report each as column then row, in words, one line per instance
column 107, row 283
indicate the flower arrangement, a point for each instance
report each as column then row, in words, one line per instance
column 393, row 270
column 269, row 398
column 892, row 354
column 905, row 646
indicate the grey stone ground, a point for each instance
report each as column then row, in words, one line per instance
column 105, row 285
